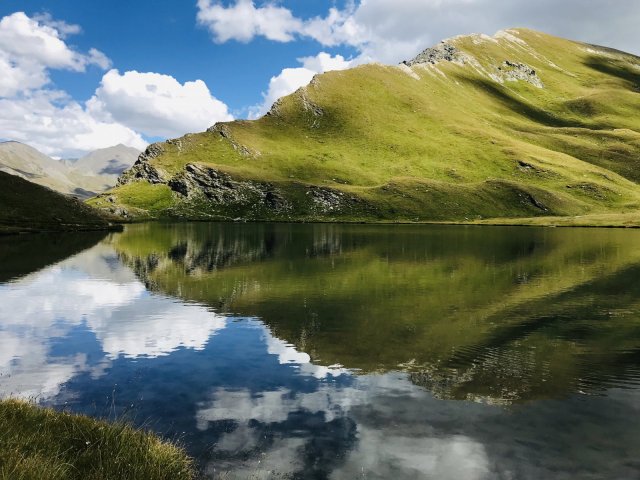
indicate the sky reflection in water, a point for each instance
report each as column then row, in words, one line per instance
column 96, row 334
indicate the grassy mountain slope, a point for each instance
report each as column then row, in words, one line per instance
column 30, row 207
column 26, row 162
column 521, row 124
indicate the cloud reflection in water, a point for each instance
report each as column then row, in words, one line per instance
column 91, row 290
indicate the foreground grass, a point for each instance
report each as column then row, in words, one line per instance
column 39, row 443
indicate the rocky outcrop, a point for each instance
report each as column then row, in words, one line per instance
column 219, row 188
column 515, row 71
column 443, row 52
column 508, row 71
column 142, row 169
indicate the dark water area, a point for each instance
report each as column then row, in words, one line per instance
column 340, row 351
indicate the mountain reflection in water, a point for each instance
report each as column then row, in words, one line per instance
column 332, row 351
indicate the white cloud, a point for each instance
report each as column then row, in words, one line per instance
column 156, row 104
column 394, row 30
column 28, row 48
column 57, row 125
column 323, row 62
column 243, row 21
column 290, row 79
column 34, row 113
column 63, row 28
column 123, row 109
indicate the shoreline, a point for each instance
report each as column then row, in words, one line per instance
column 8, row 230
column 628, row 221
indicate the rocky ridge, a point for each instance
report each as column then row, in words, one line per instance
column 507, row 71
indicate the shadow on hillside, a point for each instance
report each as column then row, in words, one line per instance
column 618, row 69
column 523, row 108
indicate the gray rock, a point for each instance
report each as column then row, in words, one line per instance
column 516, row 71
column 142, row 170
column 443, row 52
column 326, row 200
column 219, row 188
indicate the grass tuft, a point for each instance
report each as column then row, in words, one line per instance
column 41, row 443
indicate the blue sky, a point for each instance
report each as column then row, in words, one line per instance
column 162, row 36
column 137, row 71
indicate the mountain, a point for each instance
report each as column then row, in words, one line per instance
column 28, row 207
column 84, row 177
column 110, row 161
column 521, row 124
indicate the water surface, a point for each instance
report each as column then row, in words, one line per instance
column 332, row 351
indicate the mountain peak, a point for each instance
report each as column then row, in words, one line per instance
column 449, row 49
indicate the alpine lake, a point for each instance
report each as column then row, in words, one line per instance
column 324, row 351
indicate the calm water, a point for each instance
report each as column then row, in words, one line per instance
column 342, row 352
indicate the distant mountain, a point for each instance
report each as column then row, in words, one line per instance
column 110, row 161
column 28, row 207
column 521, row 124
column 84, row 177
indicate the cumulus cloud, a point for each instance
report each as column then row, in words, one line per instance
column 33, row 112
column 30, row 47
column 156, row 104
column 124, row 108
column 393, row 30
column 290, row 79
column 243, row 21
column 56, row 125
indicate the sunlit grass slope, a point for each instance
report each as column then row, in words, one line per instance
column 459, row 139
column 38, row 443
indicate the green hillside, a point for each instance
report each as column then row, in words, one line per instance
column 521, row 124
column 27, row 207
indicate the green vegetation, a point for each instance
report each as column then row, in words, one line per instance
column 27, row 207
column 145, row 199
column 38, row 443
column 455, row 141
column 503, row 314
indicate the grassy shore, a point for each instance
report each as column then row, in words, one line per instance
column 605, row 220
column 39, row 443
